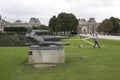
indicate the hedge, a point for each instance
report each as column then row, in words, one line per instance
column 12, row 40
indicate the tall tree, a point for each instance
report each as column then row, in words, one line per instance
column 111, row 26
column 52, row 24
column 65, row 22
column 62, row 22
column 106, row 26
column 116, row 24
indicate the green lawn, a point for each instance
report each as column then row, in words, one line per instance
column 81, row 63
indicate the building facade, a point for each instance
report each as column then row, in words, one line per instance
column 87, row 27
column 18, row 23
column 3, row 24
column 34, row 22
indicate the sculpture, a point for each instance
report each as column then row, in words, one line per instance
column 43, row 40
column 43, row 50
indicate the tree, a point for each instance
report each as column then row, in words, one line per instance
column 111, row 26
column 116, row 24
column 67, row 22
column 63, row 23
column 73, row 23
column 106, row 26
column 52, row 24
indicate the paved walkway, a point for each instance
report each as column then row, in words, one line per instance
column 102, row 37
column 109, row 37
column 85, row 39
column 88, row 42
column 105, row 37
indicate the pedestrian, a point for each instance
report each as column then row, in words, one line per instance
column 96, row 41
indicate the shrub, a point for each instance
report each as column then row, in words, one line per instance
column 12, row 40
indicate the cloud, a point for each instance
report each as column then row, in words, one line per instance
column 45, row 9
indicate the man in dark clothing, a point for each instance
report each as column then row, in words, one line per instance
column 96, row 41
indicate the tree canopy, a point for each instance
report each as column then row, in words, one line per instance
column 110, row 26
column 64, row 22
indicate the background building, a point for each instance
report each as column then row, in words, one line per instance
column 87, row 27
column 34, row 22
column 3, row 24
column 18, row 23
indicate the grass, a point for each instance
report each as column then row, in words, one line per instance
column 107, row 43
column 81, row 63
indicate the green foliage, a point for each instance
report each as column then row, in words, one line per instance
column 15, row 29
column 106, row 26
column 81, row 63
column 116, row 24
column 110, row 26
column 12, row 40
column 42, row 27
column 64, row 22
column 52, row 24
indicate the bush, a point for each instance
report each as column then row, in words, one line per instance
column 15, row 29
column 12, row 40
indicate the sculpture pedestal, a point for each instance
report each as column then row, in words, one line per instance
column 46, row 55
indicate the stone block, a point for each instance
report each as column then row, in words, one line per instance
column 46, row 56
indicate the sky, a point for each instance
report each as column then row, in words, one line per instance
column 12, row 10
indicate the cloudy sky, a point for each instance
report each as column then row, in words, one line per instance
column 12, row 10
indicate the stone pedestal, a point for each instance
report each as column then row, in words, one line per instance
column 46, row 55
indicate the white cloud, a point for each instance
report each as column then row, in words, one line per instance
column 45, row 9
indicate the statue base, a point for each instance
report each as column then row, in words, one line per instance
column 49, row 55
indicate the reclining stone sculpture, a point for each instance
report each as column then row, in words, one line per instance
column 43, row 40
column 43, row 51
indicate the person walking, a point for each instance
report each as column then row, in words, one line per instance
column 96, row 41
